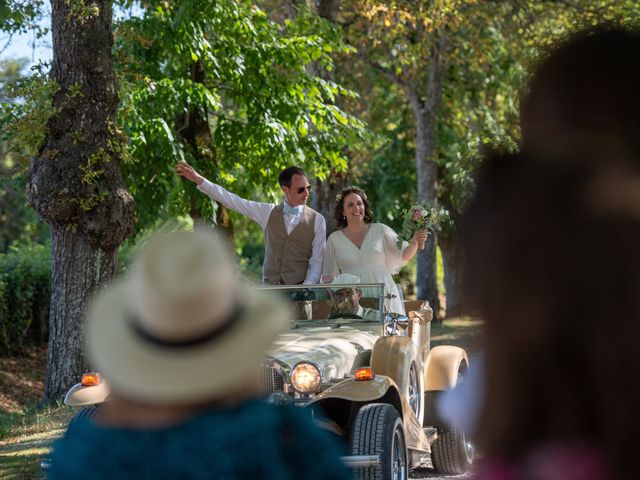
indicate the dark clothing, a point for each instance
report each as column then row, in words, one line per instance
column 251, row 441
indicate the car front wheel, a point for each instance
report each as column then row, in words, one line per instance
column 377, row 430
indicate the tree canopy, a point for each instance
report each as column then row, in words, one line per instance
column 245, row 76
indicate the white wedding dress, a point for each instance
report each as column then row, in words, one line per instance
column 374, row 262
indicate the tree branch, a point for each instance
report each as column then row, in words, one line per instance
column 387, row 73
column 6, row 45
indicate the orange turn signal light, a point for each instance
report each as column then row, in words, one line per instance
column 91, row 379
column 364, row 373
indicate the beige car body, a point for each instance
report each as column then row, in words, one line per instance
column 337, row 352
column 391, row 358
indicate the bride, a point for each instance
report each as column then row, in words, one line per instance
column 366, row 249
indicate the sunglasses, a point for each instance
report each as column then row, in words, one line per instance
column 302, row 189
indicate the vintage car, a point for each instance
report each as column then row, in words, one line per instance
column 368, row 377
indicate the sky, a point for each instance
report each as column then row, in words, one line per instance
column 26, row 45
column 22, row 46
column 36, row 50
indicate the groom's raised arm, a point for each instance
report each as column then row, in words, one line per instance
column 256, row 211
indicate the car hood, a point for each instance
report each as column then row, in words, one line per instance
column 333, row 350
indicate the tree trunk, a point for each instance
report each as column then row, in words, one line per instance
column 452, row 262
column 328, row 9
column 425, row 112
column 324, row 200
column 78, row 271
column 75, row 182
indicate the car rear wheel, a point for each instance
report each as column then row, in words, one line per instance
column 452, row 453
column 377, row 430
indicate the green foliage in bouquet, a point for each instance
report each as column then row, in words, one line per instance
column 420, row 216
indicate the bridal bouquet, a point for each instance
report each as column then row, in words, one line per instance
column 419, row 217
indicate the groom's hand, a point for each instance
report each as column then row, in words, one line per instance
column 187, row 171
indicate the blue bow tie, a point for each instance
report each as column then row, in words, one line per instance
column 291, row 210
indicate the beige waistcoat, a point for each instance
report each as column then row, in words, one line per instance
column 286, row 258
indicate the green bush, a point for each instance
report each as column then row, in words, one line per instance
column 25, row 291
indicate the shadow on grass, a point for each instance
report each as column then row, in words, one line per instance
column 22, row 460
column 463, row 332
column 28, row 441
column 21, row 467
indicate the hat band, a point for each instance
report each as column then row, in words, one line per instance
column 219, row 330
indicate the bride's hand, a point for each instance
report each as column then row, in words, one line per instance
column 420, row 237
column 187, row 171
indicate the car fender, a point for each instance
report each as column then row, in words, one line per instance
column 357, row 390
column 442, row 367
column 380, row 389
column 338, row 400
column 392, row 356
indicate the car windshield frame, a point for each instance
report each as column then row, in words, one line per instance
column 321, row 292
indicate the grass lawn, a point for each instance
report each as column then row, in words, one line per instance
column 464, row 332
column 28, row 441
column 26, row 431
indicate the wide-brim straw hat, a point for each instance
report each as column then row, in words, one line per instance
column 182, row 328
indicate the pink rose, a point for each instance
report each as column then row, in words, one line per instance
column 416, row 215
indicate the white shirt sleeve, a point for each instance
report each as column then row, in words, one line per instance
column 317, row 250
column 330, row 267
column 257, row 211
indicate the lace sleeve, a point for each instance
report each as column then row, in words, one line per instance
column 393, row 254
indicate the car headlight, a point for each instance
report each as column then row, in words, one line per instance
column 306, row 378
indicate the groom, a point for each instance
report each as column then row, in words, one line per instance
column 295, row 235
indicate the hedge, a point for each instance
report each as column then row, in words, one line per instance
column 25, row 292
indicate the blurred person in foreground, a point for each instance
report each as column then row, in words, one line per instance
column 180, row 341
column 553, row 263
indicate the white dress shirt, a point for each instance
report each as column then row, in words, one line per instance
column 260, row 211
column 367, row 313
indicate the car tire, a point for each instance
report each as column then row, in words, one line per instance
column 452, row 453
column 378, row 430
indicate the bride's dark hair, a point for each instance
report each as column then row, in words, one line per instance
column 338, row 215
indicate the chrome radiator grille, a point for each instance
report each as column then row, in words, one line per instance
column 272, row 379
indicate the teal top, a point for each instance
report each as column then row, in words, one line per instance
column 251, row 441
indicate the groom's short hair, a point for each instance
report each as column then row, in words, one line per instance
column 284, row 179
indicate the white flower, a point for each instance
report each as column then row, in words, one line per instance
column 424, row 213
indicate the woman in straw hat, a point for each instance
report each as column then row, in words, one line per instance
column 180, row 341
